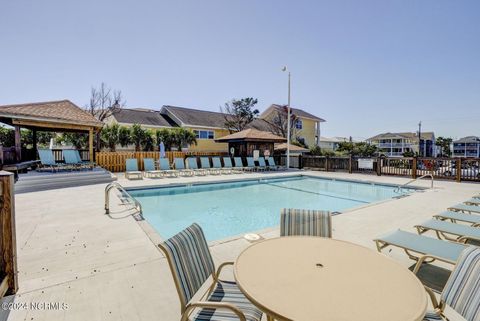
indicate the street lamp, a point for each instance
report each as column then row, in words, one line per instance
column 288, row 118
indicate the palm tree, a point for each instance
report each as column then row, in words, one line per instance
column 138, row 136
column 184, row 137
column 148, row 140
column 110, row 136
column 124, row 138
column 167, row 136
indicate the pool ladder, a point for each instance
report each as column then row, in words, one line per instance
column 115, row 185
column 398, row 189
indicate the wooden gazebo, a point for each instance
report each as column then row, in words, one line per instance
column 60, row 116
column 246, row 141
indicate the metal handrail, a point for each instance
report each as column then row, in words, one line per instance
column 399, row 187
column 119, row 187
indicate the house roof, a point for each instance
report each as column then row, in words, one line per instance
column 195, row 117
column 251, row 134
column 295, row 111
column 468, row 139
column 260, row 124
column 408, row 135
column 293, row 148
column 61, row 111
column 142, row 116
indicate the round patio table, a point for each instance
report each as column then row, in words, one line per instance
column 320, row 279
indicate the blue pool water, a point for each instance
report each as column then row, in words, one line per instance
column 228, row 209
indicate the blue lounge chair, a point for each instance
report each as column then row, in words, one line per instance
column 180, row 167
column 455, row 217
column 272, row 165
column 465, row 208
column 217, row 164
column 297, row 222
column 227, row 163
column 48, row 161
column 71, row 159
column 88, row 164
column 165, row 168
column 250, row 164
column 473, row 201
column 149, row 168
column 239, row 164
column 461, row 292
column 261, row 164
column 460, row 233
column 192, row 164
column 419, row 247
column 192, row 267
column 205, row 163
column 132, row 171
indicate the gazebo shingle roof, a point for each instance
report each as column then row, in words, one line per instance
column 62, row 111
column 252, row 134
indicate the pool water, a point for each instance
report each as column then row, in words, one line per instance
column 228, row 209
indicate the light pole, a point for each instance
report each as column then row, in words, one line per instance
column 288, row 118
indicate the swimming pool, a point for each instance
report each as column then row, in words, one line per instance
column 232, row 208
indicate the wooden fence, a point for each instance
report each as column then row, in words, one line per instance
column 8, row 251
column 115, row 161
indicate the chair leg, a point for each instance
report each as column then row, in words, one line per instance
column 270, row 318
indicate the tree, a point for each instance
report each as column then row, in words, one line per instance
column 357, row 149
column 124, row 138
column 167, row 136
column 278, row 123
column 444, row 143
column 138, row 135
column 104, row 102
column 43, row 138
column 78, row 140
column 184, row 137
column 148, row 140
column 317, row 151
column 239, row 113
column 110, row 136
column 7, row 137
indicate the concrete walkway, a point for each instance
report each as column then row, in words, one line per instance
column 107, row 267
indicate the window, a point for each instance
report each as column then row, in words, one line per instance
column 204, row 134
column 299, row 124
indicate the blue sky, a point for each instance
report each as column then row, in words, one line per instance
column 365, row 66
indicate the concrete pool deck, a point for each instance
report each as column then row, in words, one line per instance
column 107, row 268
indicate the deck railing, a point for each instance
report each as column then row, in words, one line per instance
column 458, row 169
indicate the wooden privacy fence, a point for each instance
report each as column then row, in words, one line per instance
column 458, row 169
column 8, row 247
column 115, row 161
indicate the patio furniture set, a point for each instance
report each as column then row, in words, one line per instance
column 306, row 275
column 189, row 167
column 72, row 161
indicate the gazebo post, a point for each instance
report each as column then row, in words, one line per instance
column 90, row 144
column 34, row 138
column 18, row 144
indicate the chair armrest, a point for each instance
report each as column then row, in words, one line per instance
column 219, row 270
column 213, row 305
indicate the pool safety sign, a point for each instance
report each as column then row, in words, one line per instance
column 365, row 163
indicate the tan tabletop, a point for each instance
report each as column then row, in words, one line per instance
column 319, row 279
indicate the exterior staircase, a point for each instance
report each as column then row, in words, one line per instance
column 40, row 181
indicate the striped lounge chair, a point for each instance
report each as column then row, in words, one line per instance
column 191, row 265
column 295, row 222
column 462, row 291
